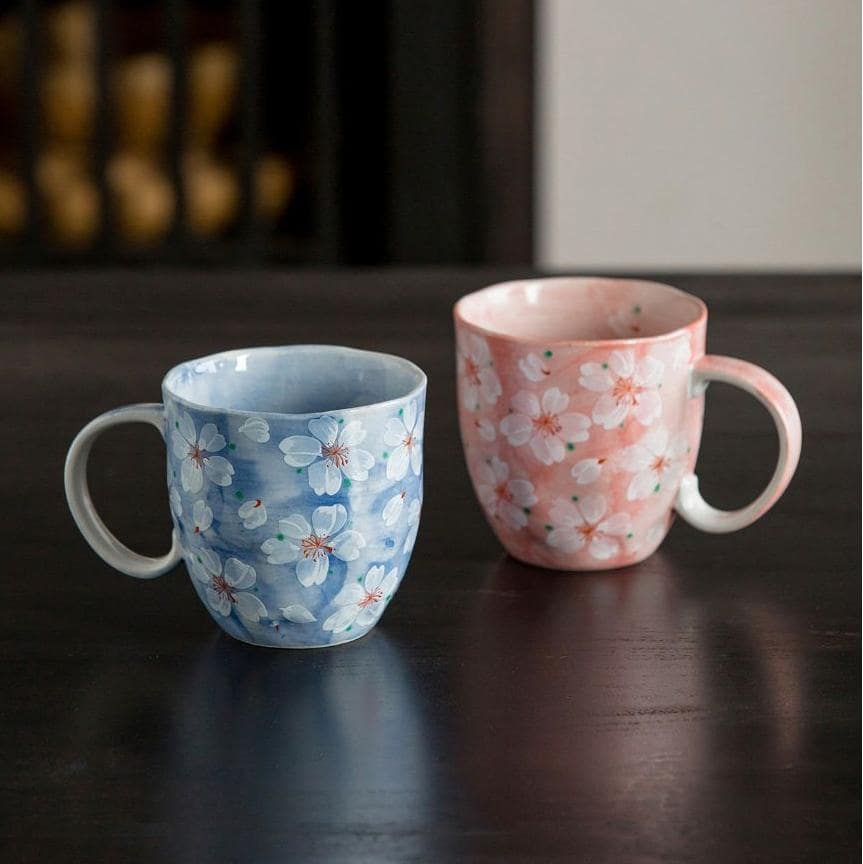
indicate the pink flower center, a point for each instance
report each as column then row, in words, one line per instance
column 587, row 530
column 221, row 587
column 316, row 547
column 502, row 492
column 471, row 370
column 371, row 597
column 336, row 453
column 626, row 391
column 409, row 441
column 661, row 464
column 547, row 425
column 196, row 454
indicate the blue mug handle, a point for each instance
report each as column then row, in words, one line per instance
column 90, row 524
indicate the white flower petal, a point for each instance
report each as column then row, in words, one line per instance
column 594, row 377
column 253, row 513
column 218, row 470
column 347, row 545
column 325, row 478
column 566, row 539
column 489, row 385
column 523, row 493
column 187, row 428
column 297, row 614
column 622, row 363
column 369, row 614
column 565, row 514
column 351, row 592
column 250, row 607
column 410, row 415
column 313, row 571
column 486, row 429
column 279, row 551
column 554, row 401
column 352, row 434
column 239, row 575
column 397, row 464
column 526, row 403
column 359, row 463
column 210, row 439
column 608, row 413
column 326, row 521
column 300, row 450
column 393, row 509
column 620, row 524
column 635, row 458
column 416, row 459
column 256, row 429
column 532, row 367
column 641, row 486
column 574, row 427
column 592, row 507
column 176, row 502
column 547, row 450
column 394, row 432
column 295, row 526
column 517, row 428
column 648, row 408
column 340, row 620
column 649, row 371
column 514, row 516
column 219, row 602
column 586, row 471
column 374, row 578
column 202, row 515
column 180, row 444
column 325, row 429
column 191, row 476
column 602, row 548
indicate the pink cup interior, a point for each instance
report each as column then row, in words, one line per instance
column 579, row 309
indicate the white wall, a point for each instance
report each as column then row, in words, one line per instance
column 698, row 134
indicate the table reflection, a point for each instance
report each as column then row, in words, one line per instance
column 604, row 695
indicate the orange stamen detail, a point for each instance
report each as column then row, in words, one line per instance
column 221, row 586
column 503, row 492
column 547, row 424
column 315, row 547
column 371, row 597
column 258, row 502
column 660, row 464
column 587, row 530
column 409, row 441
column 336, row 453
column 196, row 454
column 471, row 370
column 626, row 390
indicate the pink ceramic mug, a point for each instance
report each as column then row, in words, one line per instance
column 581, row 404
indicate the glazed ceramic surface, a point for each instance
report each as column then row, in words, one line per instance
column 581, row 404
column 295, row 485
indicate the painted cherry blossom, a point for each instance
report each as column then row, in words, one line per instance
column 227, row 589
column 533, row 368
column 176, row 501
column 202, row 516
column 393, row 508
column 361, row 603
column 657, row 460
column 253, row 513
column 584, row 523
column 675, row 354
column 626, row 386
column 544, row 424
column 588, row 471
column 333, row 453
column 256, row 429
column 413, row 524
column 196, row 452
column 504, row 497
column 485, row 428
column 297, row 614
column 479, row 380
column 404, row 436
column 312, row 545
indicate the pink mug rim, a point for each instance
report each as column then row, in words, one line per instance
column 699, row 320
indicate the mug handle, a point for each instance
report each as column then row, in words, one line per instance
column 102, row 541
column 773, row 395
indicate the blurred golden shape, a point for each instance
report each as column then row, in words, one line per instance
column 57, row 165
column 212, row 194
column 143, row 199
column 10, row 44
column 72, row 212
column 274, row 185
column 213, row 72
column 68, row 97
column 13, row 204
column 71, row 29
column 142, row 99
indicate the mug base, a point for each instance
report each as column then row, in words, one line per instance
column 295, row 647
column 564, row 568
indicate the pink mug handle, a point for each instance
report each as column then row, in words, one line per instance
column 770, row 392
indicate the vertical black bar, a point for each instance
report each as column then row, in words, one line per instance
column 325, row 150
column 104, row 119
column 29, row 70
column 250, row 53
column 175, row 36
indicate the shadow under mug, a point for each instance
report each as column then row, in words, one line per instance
column 295, row 484
column 581, row 404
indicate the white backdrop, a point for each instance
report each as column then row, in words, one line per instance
column 698, row 134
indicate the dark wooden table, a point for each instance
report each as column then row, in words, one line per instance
column 702, row 706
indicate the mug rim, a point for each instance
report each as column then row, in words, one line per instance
column 461, row 319
column 415, row 392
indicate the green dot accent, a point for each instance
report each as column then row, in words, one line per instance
column 549, row 528
column 198, row 559
column 176, row 424
column 570, row 446
column 385, row 455
column 629, row 536
column 341, row 419
column 401, row 411
column 547, row 353
column 575, row 497
column 636, row 310
column 605, row 365
column 359, row 578
column 239, row 495
column 299, row 470
column 232, row 446
column 280, row 536
column 656, row 488
column 347, row 483
column 348, row 628
column 526, row 511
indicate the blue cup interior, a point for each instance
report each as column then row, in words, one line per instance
column 295, row 380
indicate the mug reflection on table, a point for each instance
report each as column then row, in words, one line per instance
column 295, row 484
column 581, row 404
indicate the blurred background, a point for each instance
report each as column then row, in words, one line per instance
column 569, row 134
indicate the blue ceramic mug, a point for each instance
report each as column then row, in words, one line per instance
column 295, row 484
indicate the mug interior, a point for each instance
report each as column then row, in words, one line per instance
column 579, row 309
column 297, row 379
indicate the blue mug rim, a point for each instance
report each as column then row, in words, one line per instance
column 414, row 393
